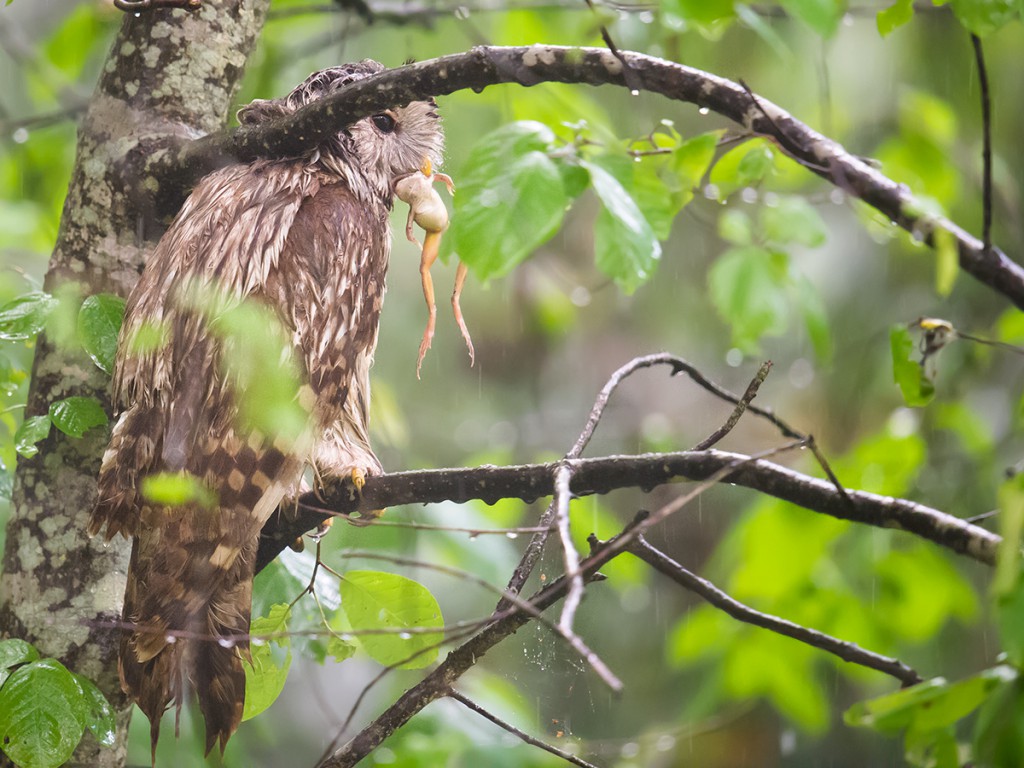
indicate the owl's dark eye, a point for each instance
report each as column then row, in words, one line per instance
column 384, row 123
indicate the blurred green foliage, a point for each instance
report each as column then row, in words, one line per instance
column 605, row 225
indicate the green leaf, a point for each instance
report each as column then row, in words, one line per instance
column 42, row 714
column 24, row 317
column 340, row 649
column 918, row 390
column 373, row 600
column 735, row 226
column 793, row 220
column 1008, row 583
column 575, row 178
column 99, row 322
column 32, row 430
column 896, row 15
column 641, row 182
column 9, row 376
column 691, row 159
column 12, row 653
column 822, row 16
column 625, row 247
column 772, row 667
column 983, row 17
column 173, row 489
column 748, row 289
column 148, row 337
column 259, row 359
column 512, row 198
column 929, row 706
column 99, row 717
column 755, row 164
column 742, row 166
column 266, row 673
column 999, row 727
column 75, row 416
column 919, row 591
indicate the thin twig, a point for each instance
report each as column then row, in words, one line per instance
column 327, row 757
column 469, row 704
column 138, row 6
column 986, row 149
column 570, row 556
column 517, row 601
column 845, row 650
column 533, row 550
column 741, row 407
column 779, row 136
column 370, row 522
column 461, row 630
column 438, row 682
column 812, row 444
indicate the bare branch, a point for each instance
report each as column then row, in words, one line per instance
column 601, row 475
column 845, row 650
column 489, row 65
column 678, row 365
column 471, row 532
column 534, row 549
column 438, row 683
column 138, row 6
column 571, row 558
column 739, row 410
column 567, row 756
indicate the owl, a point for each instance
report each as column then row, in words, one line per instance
column 305, row 240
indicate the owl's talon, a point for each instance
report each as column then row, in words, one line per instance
column 358, row 478
column 364, row 518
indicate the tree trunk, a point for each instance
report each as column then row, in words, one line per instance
column 170, row 76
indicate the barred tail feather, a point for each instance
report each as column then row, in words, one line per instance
column 192, row 640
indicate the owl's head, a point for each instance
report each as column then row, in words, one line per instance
column 370, row 153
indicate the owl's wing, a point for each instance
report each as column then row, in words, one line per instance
column 336, row 298
column 229, row 234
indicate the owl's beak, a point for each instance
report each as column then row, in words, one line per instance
column 427, row 168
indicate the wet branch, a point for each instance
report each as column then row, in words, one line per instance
column 485, row 66
column 844, row 649
column 646, row 471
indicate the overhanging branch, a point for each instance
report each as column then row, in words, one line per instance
column 601, row 475
column 484, row 66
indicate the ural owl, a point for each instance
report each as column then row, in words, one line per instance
column 307, row 239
